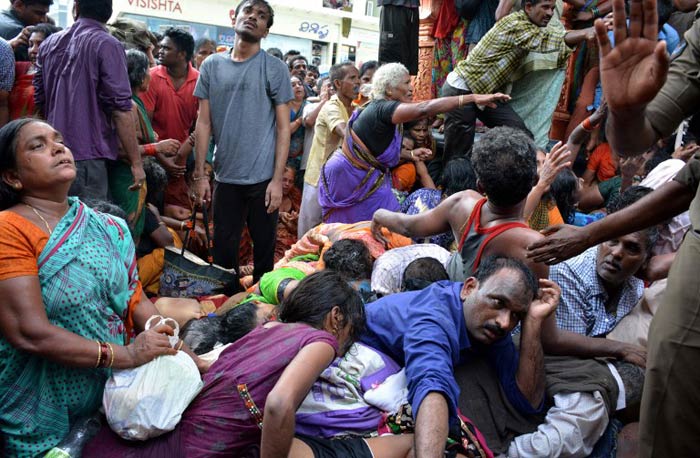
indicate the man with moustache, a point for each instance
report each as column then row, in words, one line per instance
column 598, row 286
column 243, row 98
column 445, row 325
column 490, row 65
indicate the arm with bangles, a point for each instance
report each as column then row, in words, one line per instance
column 414, row 111
column 24, row 323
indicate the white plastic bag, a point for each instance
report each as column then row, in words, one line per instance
column 149, row 400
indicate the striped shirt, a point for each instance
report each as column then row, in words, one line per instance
column 502, row 50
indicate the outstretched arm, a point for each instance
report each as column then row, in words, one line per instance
column 432, row 222
column 563, row 242
column 407, row 112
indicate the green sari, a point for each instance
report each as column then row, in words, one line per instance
column 120, row 178
column 88, row 277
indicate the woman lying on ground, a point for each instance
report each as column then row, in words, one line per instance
column 251, row 393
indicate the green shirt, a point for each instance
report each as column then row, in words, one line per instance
column 502, row 50
column 610, row 188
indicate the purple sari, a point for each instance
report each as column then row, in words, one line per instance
column 219, row 422
column 355, row 182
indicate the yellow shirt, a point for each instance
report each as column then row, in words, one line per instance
column 325, row 140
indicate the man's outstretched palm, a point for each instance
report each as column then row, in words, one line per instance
column 633, row 72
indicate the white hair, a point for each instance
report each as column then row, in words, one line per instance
column 388, row 76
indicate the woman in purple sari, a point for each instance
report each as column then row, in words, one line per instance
column 250, row 395
column 356, row 179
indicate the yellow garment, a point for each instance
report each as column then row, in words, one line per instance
column 325, row 140
column 151, row 266
column 546, row 214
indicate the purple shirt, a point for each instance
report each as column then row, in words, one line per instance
column 81, row 78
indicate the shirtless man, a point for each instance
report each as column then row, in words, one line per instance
column 505, row 164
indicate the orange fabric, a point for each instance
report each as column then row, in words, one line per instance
column 601, row 162
column 21, row 243
column 320, row 238
column 134, row 301
column 403, row 176
column 150, row 266
column 555, row 216
column 150, row 269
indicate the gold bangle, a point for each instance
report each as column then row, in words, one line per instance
column 111, row 350
column 99, row 353
column 203, row 177
column 182, row 225
column 412, row 156
column 461, row 101
column 179, row 347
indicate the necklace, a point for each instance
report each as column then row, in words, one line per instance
column 48, row 228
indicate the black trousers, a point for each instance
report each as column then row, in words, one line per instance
column 234, row 206
column 460, row 123
column 398, row 36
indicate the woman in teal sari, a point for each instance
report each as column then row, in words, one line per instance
column 71, row 296
column 120, row 177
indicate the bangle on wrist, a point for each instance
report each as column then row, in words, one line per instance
column 111, row 352
column 199, row 178
column 99, row 353
column 182, row 225
column 460, row 103
column 102, row 354
column 150, row 149
column 179, row 346
column 587, row 125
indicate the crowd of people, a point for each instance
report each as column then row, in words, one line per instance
column 410, row 278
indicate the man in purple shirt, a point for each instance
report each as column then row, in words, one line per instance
column 82, row 88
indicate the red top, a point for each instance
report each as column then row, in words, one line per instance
column 174, row 112
column 475, row 237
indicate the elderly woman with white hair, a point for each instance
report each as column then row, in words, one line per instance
column 356, row 179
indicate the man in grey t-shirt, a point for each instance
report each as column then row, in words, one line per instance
column 243, row 103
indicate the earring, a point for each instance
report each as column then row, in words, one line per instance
column 17, row 186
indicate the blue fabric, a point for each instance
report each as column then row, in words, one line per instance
column 583, row 297
column 584, row 219
column 425, row 331
column 423, row 200
column 667, row 33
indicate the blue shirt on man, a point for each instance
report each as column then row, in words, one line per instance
column 425, row 331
